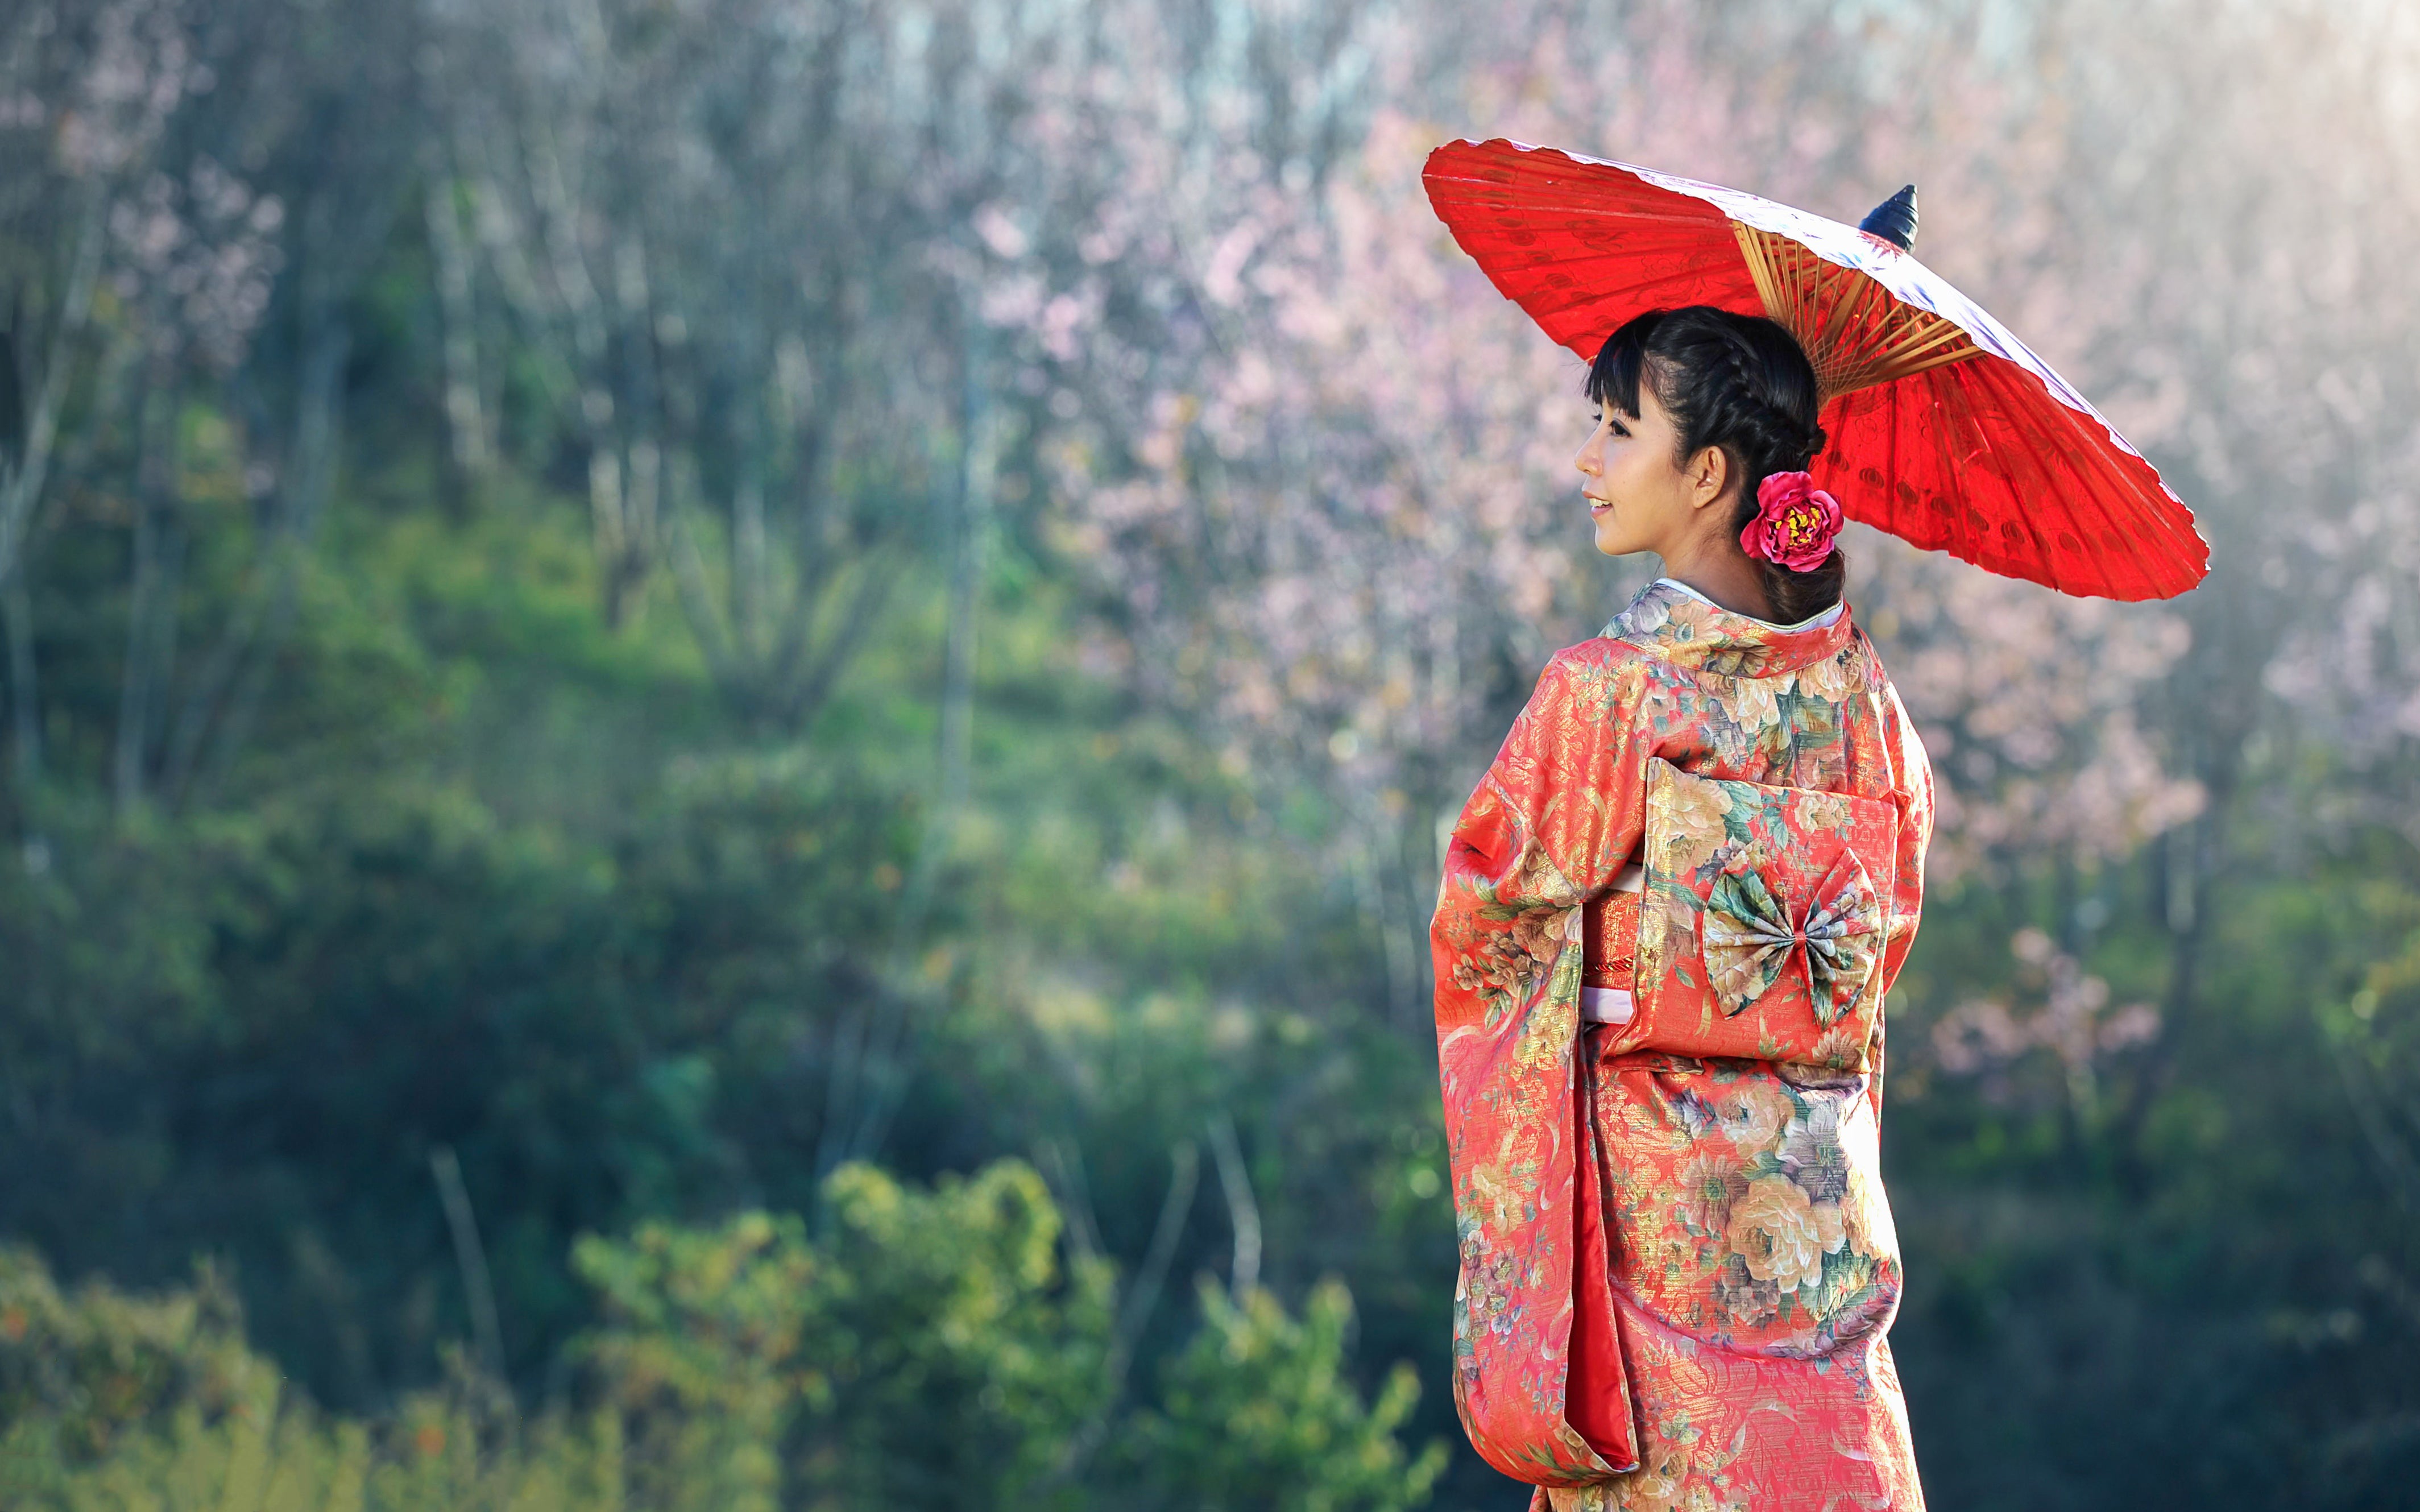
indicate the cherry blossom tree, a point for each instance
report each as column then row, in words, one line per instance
column 145, row 267
column 1318, row 466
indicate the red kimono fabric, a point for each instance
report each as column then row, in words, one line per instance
column 1677, row 1265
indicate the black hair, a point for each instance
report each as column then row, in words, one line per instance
column 1740, row 383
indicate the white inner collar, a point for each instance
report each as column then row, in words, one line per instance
column 1819, row 622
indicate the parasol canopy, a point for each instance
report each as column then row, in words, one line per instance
column 1944, row 429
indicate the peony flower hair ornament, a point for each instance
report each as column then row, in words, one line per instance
column 1795, row 523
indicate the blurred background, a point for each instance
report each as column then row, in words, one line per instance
column 727, row 724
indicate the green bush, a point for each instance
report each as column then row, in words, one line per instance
column 930, row 1347
column 80, row 1373
column 1257, row 1415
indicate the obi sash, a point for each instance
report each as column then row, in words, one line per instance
column 1759, row 930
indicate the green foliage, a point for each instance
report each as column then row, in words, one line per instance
column 931, row 1349
column 114, row 1402
column 955, row 1374
column 1258, row 1413
column 80, row 1372
column 701, row 1351
column 2218, row 1233
column 440, row 1456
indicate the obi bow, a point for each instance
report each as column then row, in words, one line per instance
column 1750, row 937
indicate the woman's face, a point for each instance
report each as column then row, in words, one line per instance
column 1642, row 497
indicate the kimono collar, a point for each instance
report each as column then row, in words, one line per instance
column 1688, row 631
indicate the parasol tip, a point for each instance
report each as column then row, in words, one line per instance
column 1894, row 220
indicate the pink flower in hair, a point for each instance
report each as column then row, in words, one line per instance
column 1795, row 523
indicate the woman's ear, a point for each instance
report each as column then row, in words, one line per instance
column 1709, row 472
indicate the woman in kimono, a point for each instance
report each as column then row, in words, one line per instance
column 1668, row 917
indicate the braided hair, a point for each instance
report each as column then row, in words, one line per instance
column 1740, row 383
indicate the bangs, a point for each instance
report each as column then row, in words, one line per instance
column 1613, row 378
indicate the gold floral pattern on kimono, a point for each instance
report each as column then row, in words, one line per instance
column 1677, row 1266
column 1745, row 1202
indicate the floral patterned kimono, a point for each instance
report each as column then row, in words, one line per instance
column 1677, row 1262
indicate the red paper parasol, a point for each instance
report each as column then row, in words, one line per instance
column 1944, row 429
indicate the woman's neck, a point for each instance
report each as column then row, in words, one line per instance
column 1727, row 577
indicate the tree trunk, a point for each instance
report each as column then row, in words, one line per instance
column 24, row 698
column 151, row 597
column 20, row 492
column 469, row 443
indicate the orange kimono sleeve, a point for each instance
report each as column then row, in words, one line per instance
column 1912, row 789
column 1549, row 826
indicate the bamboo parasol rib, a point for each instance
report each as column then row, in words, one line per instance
column 1854, row 332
